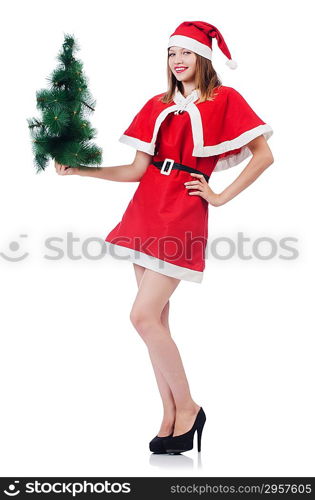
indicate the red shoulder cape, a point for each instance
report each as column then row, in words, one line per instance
column 220, row 127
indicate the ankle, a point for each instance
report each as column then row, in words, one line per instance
column 190, row 408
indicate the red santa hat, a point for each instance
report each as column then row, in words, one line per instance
column 197, row 36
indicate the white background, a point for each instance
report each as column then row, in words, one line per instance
column 78, row 391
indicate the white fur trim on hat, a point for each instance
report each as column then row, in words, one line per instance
column 190, row 43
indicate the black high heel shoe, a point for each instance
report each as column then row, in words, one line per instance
column 185, row 442
column 157, row 444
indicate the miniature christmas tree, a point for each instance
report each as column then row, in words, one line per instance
column 64, row 133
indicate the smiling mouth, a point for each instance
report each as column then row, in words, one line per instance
column 180, row 69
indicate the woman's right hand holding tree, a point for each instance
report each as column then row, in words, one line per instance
column 65, row 170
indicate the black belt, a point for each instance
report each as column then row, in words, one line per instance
column 177, row 166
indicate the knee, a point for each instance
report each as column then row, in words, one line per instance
column 143, row 321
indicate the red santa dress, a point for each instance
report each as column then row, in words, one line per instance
column 163, row 227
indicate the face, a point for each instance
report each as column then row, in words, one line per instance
column 185, row 60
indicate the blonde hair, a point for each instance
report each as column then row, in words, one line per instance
column 206, row 80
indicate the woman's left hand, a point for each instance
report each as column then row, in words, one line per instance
column 203, row 190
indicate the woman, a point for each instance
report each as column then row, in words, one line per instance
column 198, row 126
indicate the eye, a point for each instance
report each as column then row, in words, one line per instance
column 172, row 53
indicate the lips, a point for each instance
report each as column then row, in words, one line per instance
column 180, row 69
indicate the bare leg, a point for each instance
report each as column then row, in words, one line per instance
column 154, row 292
column 169, row 407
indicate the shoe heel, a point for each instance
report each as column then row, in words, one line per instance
column 199, row 433
column 185, row 442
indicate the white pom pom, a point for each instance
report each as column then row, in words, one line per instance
column 231, row 64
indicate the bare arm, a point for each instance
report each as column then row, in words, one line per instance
column 261, row 159
column 122, row 173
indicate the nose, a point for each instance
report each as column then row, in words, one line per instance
column 177, row 59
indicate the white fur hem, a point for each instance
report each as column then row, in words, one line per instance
column 204, row 151
column 238, row 142
column 147, row 147
column 153, row 263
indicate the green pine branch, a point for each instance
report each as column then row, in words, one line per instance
column 64, row 132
